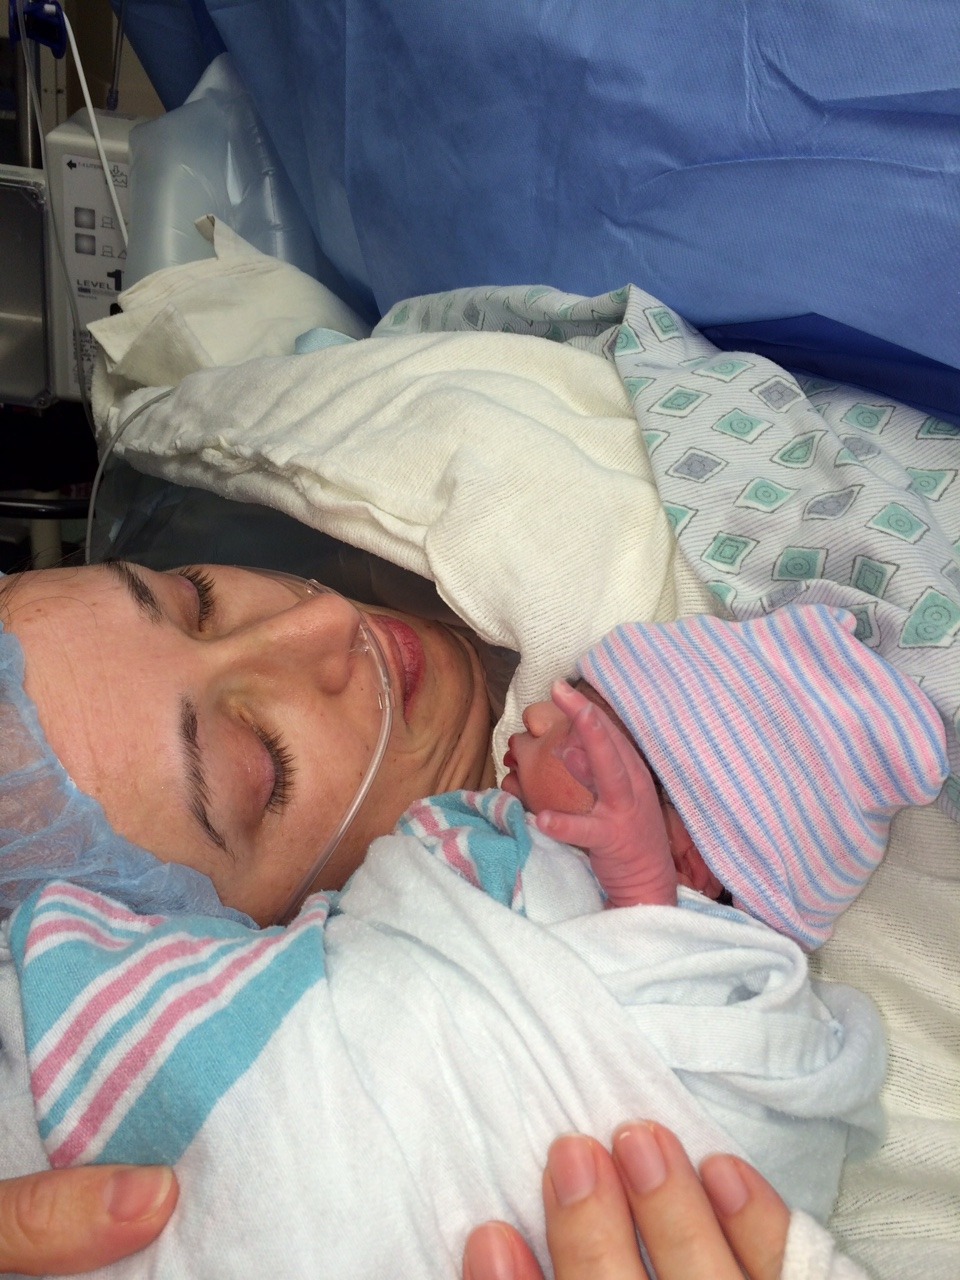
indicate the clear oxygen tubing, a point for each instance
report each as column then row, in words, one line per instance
column 104, row 163
column 366, row 645
column 107, row 453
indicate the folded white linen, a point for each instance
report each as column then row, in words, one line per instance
column 215, row 311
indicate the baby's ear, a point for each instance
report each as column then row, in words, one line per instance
column 692, row 871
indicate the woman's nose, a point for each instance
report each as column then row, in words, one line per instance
column 315, row 639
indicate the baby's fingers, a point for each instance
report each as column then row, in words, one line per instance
column 580, row 829
column 568, row 699
column 616, row 766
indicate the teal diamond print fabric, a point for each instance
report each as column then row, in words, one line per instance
column 778, row 489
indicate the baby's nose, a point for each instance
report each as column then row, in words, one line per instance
column 542, row 717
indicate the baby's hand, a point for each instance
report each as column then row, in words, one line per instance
column 624, row 833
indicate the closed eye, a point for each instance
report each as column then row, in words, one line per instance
column 283, row 770
column 206, row 594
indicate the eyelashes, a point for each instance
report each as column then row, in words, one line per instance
column 206, row 596
column 283, row 770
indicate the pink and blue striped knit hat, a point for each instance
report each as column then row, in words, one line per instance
column 786, row 746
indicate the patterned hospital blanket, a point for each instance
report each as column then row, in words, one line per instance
column 427, row 1034
column 779, row 489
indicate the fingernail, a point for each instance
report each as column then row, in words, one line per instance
column 133, row 1194
column 639, row 1154
column 572, row 1169
column 724, row 1184
column 488, row 1255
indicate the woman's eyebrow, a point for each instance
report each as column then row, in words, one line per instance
column 199, row 793
column 141, row 594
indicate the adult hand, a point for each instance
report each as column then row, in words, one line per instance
column 722, row 1225
column 70, row 1220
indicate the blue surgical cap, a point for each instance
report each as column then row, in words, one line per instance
column 51, row 830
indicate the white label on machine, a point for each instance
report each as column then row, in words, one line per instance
column 93, row 247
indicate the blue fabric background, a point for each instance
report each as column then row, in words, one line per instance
column 746, row 161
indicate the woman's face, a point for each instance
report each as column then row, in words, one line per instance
column 225, row 724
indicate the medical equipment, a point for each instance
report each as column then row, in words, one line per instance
column 24, row 358
column 62, row 223
column 84, row 169
column 102, row 466
column 90, row 212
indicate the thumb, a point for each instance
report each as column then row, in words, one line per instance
column 69, row 1220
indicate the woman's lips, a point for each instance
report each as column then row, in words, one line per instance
column 406, row 650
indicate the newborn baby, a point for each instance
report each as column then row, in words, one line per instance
column 766, row 758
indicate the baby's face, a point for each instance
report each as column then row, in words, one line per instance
column 538, row 777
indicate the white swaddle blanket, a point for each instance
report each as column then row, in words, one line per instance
column 350, row 1096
